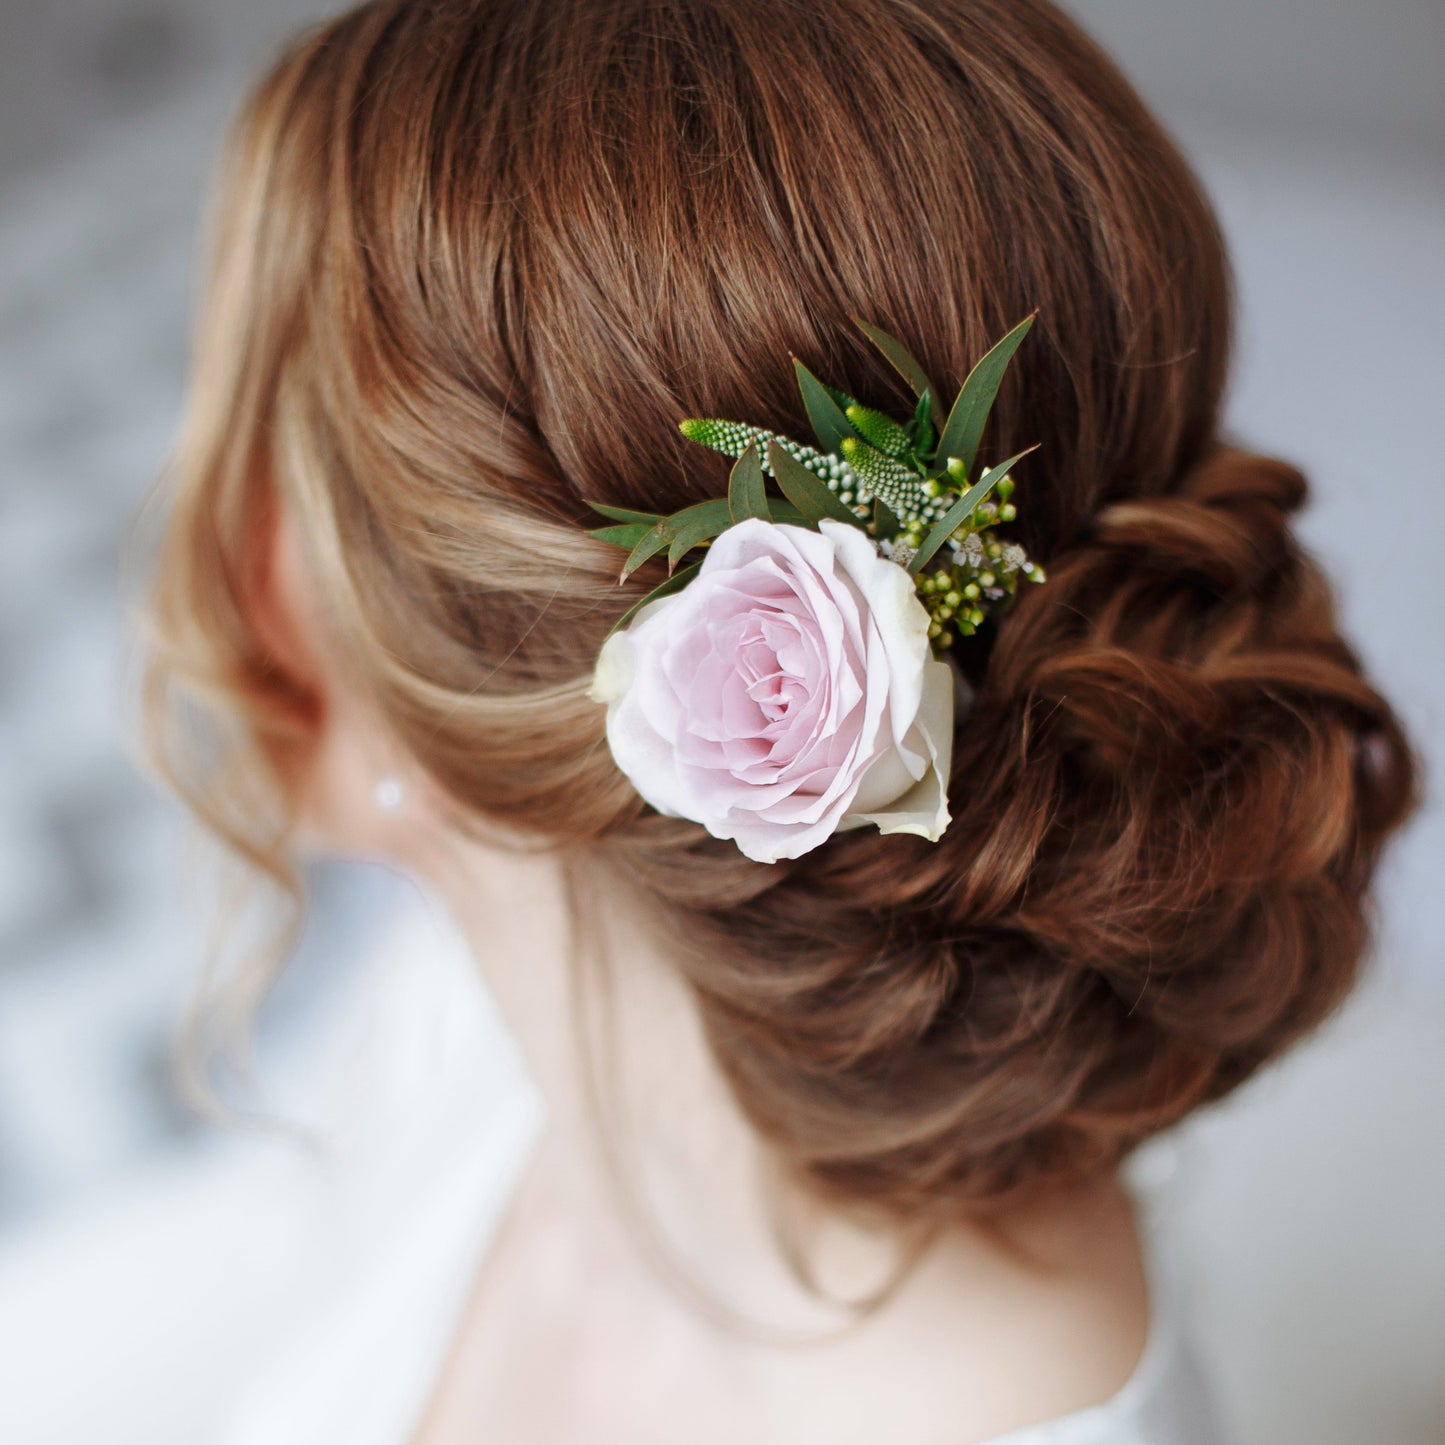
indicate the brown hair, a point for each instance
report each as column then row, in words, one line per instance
column 476, row 258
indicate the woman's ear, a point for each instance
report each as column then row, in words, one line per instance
column 346, row 776
column 280, row 599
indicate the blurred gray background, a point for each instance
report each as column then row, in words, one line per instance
column 1318, row 127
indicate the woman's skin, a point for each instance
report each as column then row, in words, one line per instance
column 572, row 1334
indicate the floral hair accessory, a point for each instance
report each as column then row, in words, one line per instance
column 791, row 683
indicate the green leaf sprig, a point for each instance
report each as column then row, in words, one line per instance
column 908, row 484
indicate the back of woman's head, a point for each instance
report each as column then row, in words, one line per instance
column 476, row 259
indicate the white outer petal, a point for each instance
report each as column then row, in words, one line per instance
column 612, row 675
column 923, row 809
column 643, row 754
column 890, row 592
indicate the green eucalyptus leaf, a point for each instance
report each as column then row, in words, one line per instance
column 648, row 545
column 902, row 360
column 675, row 583
column 805, row 491
column 963, row 430
column 922, row 426
column 828, row 421
column 625, row 514
column 700, row 522
column 959, row 512
column 786, row 512
column 885, row 524
column 938, row 534
column 746, row 494
column 626, row 536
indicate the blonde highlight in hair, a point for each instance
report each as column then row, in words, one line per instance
column 473, row 263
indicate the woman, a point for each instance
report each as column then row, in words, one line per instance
column 475, row 261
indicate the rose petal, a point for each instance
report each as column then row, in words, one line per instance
column 788, row 691
column 923, row 809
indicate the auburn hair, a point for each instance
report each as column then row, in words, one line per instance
column 474, row 259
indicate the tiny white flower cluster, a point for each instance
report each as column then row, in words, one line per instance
column 898, row 549
column 1003, row 557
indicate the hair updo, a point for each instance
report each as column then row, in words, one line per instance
column 475, row 259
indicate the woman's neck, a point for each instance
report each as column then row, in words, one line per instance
column 691, row 1156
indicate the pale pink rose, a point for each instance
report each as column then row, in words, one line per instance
column 788, row 691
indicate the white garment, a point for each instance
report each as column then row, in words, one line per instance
column 437, row 1140
column 1167, row 1400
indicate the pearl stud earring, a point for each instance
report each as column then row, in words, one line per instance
column 389, row 794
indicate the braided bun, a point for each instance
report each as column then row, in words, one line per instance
column 1168, row 799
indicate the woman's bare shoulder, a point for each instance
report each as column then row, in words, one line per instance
column 1049, row 1319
